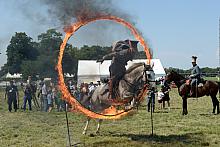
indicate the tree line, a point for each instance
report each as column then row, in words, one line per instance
column 206, row 71
column 39, row 58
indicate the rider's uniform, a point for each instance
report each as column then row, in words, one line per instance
column 122, row 52
column 195, row 75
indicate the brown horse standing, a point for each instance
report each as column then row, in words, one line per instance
column 209, row 88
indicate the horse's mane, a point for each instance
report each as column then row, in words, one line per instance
column 177, row 74
column 133, row 66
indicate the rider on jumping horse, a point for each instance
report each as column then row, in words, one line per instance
column 195, row 76
column 122, row 52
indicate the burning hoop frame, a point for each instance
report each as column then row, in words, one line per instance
column 70, row 30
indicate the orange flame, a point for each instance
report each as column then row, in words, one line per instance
column 112, row 112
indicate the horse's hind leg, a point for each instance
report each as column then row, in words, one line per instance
column 98, row 126
column 214, row 103
column 217, row 105
column 86, row 127
column 185, row 112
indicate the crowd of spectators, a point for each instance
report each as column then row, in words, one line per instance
column 44, row 94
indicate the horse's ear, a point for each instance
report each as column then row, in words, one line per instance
column 152, row 65
column 146, row 66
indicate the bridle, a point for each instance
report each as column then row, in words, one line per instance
column 145, row 74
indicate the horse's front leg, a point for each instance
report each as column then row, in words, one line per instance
column 98, row 126
column 86, row 127
column 185, row 112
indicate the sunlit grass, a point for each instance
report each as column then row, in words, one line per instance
column 199, row 128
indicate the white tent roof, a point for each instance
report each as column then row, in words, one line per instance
column 14, row 76
column 92, row 68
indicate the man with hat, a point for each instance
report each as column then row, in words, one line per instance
column 11, row 93
column 195, row 75
column 122, row 52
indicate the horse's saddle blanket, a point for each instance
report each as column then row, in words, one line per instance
column 200, row 84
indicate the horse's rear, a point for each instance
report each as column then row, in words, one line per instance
column 209, row 88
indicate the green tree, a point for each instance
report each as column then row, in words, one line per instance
column 92, row 53
column 48, row 47
column 70, row 62
column 21, row 48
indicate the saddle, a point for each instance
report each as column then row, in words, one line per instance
column 200, row 82
column 106, row 88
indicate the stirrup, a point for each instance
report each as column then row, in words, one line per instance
column 128, row 95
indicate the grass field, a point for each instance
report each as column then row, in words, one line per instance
column 199, row 128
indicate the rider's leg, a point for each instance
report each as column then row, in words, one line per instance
column 192, row 84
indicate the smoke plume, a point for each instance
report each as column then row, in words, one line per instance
column 68, row 11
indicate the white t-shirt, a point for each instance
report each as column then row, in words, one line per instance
column 91, row 88
column 44, row 89
column 160, row 95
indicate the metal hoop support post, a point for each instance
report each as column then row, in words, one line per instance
column 151, row 116
column 67, row 124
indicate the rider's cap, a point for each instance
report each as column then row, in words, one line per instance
column 194, row 58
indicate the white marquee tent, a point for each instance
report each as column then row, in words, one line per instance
column 91, row 71
column 13, row 76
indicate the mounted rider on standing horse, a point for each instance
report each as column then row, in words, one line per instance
column 122, row 52
column 195, row 77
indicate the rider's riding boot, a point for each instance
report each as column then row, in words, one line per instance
column 111, row 89
column 191, row 92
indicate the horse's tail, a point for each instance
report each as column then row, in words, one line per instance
column 218, row 90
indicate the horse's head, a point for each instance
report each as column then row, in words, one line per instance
column 170, row 77
column 137, row 76
column 149, row 75
column 173, row 76
column 144, row 74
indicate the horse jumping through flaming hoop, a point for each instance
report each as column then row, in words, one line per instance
column 124, row 88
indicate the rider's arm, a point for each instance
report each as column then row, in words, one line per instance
column 197, row 74
column 109, row 55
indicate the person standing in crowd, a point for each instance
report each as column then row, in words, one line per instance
column 58, row 101
column 92, row 88
column 71, row 88
column 166, row 89
column 151, row 99
column 49, row 98
column 11, row 93
column 27, row 96
column 44, row 97
column 160, row 96
column 39, row 95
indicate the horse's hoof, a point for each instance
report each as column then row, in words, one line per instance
column 97, row 133
column 84, row 133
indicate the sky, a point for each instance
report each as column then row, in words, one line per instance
column 174, row 29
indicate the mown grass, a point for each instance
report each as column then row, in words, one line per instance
column 199, row 128
column 212, row 78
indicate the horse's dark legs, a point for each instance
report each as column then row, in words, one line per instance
column 215, row 103
column 185, row 112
